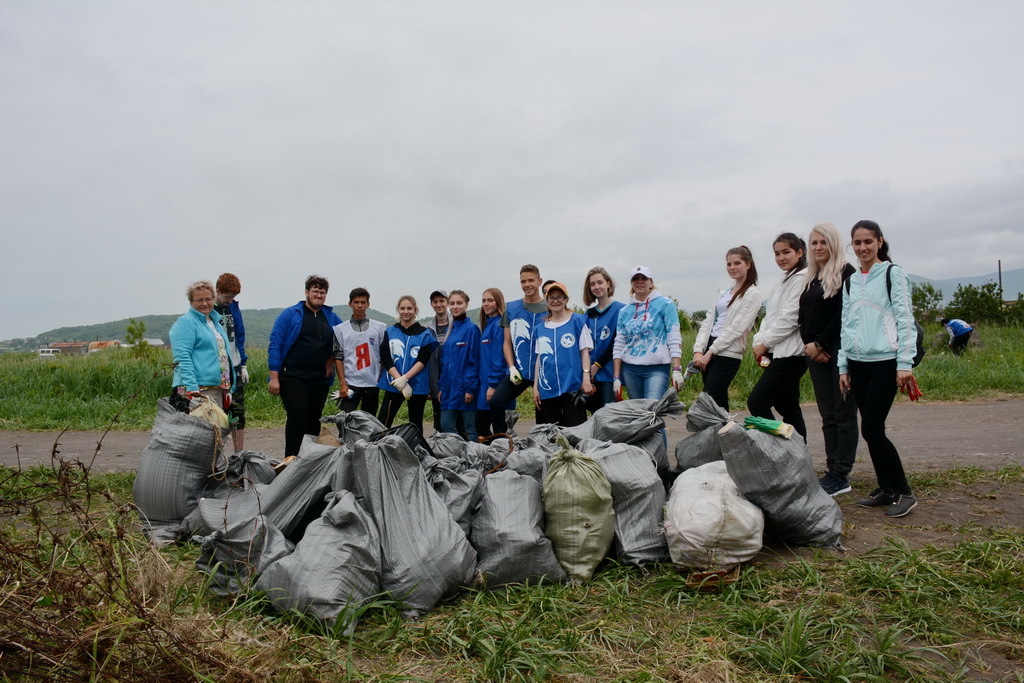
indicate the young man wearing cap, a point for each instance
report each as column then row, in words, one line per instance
column 439, row 324
column 357, row 356
column 520, row 322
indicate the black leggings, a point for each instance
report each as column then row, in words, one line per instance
column 779, row 388
column 718, row 375
column 874, row 388
column 506, row 392
column 391, row 404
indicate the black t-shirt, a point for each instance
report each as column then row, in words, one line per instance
column 820, row 318
column 307, row 358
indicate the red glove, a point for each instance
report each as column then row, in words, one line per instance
column 911, row 389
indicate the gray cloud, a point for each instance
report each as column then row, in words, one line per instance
column 446, row 143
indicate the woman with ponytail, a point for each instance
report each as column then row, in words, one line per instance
column 722, row 337
column 876, row 357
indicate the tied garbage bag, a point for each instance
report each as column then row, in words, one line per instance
column 354, row 426
column 507, row 533
column 182, row 462
column 426, row 557
column 708, row 523
column 637, row 419
column 334, row 570
column 460, row 491
column 296, row 497
column 239, row 542
column 246, row 468
column 778, row 476
column 638, row 497
column 704, row 419
column 580, row 514
column 532, row 462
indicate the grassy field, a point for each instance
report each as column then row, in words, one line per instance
column 87, row 392
column 86, row 599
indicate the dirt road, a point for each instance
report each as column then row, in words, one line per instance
column 930, row 436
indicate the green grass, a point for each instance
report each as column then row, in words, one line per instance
column 87, row 392
column 85, row 598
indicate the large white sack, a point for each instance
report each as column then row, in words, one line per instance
column 709, row 525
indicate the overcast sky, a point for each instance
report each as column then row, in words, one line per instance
column 407, row 146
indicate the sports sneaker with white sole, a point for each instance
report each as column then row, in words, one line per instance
column 834, row 485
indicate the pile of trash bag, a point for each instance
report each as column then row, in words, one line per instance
column 375, row 512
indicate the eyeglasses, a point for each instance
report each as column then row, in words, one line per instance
column 557, row 299
column 202, row 301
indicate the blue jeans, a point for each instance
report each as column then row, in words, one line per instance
column 645, row 381
column 449, row 422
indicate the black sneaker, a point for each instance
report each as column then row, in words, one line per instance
column 904, row 503
column 878, row 499
column 834, row 485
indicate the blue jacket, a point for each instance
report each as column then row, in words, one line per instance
column 286, row 331
column 492, row 368
column 194, row 348
column 875, row 328
column 460, row 365
column 235, row 311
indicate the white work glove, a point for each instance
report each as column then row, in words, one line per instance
column 400, row 383
column 617, row 389
column 513, row 374
column 407, row 391
column 243, row 375
column 677, row 380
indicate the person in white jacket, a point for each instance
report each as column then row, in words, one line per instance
column 779, row 340
column 722, row 337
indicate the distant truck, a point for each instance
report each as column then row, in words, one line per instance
column 49, row 354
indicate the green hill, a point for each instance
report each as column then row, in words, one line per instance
column 258, row 323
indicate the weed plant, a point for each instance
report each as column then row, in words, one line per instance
column 83, row 392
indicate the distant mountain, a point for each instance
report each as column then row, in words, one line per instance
column 1013, row 283
column 258, row 323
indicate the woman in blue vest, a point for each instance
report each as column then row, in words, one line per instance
column 876, row 355
column 562, row 370
column 404, row 353
column 602, row 319
column 492, row 368
column 459, row 379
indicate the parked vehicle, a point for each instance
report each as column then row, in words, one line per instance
column 49, row 354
